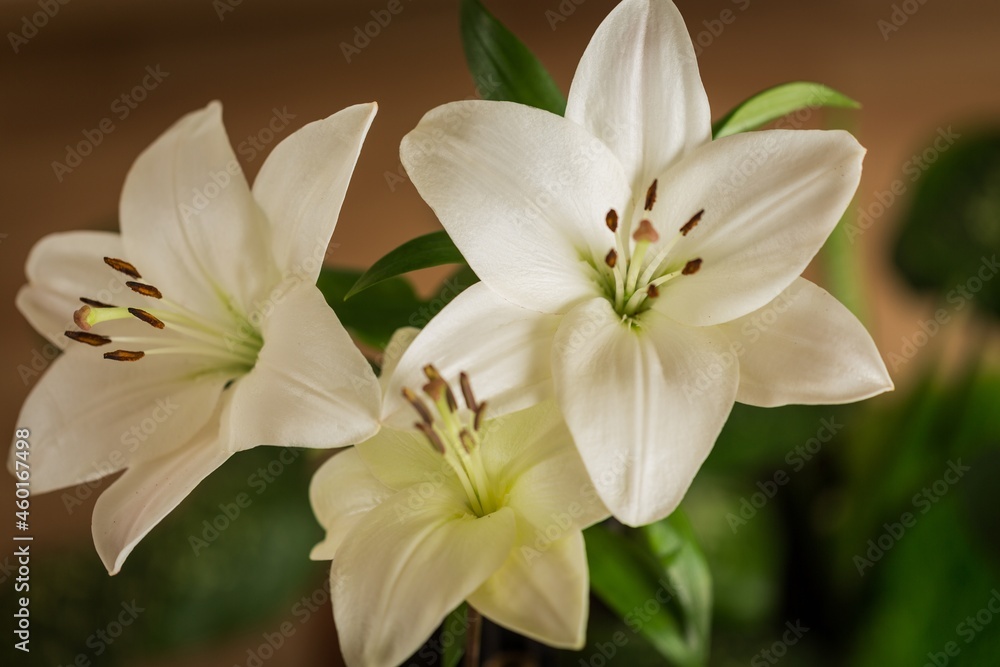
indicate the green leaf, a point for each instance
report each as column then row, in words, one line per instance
column 387, row 306
column 776, row 102
column 502, row 66
column 425, row 251
column 453, row 632
column 657, row 581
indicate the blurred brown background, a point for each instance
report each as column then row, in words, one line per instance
column 940, row 68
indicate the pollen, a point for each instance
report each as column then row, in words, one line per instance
column 692, row 223
column 691, row 267
column 124, row 355
column 122, row 266
column 611, row 220
column 144, row 289
column 651, row 196
column 90, row 339
column 146, row 317
column 611, row 258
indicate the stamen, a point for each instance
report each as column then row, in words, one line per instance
column 470, row 398
column 477, row 423
column 653, row 291
column 692, row 223
column 418, row 405
column 123, row 266
column 144, row 289
column 611, row 258
column 651, row 196
column 88, row 338
column 646, row 233
column 691, row 267
column 146, row 317
column 611, row 219
column 468, row 442
column 431, row 435
column 124, row 355
column 94, row 303
column 435, row 389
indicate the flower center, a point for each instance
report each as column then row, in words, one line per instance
column 456, row 435
column 630, row 276
column 178, row 330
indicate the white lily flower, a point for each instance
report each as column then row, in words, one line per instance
column 217, row 339
column 646, row 274
column 458, row 508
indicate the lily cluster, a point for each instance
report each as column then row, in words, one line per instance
column 624, row 259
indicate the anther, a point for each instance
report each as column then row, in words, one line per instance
column 651, row 196
column 146, row 317
column 468, row 442
column 431, row 372
column 431, row 435
column 124, row 355
column 646, row 233
column 123, row 266
column 94, row 303
column 418, row 405
column 692, row 223
column 653, row 291
column 611, row 258
column 144, row 289
column 477, row 423
column 88, row 338
column 470, row 398
column 611, row 219
column 691, row 267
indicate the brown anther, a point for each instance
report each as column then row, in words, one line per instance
column 691, row 267
column 124, row 355
column 692, row 223
column 123, row 266
column 651, row 196
column 80, row 317
column 146, row 317
column 431, row 435
column 470, row 398
column 611, row 219
column 477, row 423
column 431, row 372
column 88, row 338
column 646, row 233
column 93, row 303
column 653, row 291
column 437, row 385
column 611, row 258
column 144, row 289
column 468, row 442
column 418, row 405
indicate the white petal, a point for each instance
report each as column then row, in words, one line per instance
column 505, row 350
column 402, row 570
column 771, row 199
column 805, row 347
column 189, row 222
column 90, row 417
column 302, row 183
column 63, row 267
column 400, row 341
column 149, row 490
column 311, row 386
column 401, row 459
column 522, row 192
column 341, row 492
column 531, row 454
column 638, row 89
column 644, row 407
column 541, row 592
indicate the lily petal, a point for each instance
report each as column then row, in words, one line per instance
column 186, row 211
column 399, row 343
column 341, row 492
column 63, row 267
column 541, row 594
column 644, row 406
column 149, row 490
column 638, row 89
column 770, row 200
column 401, row 459
column 805, row 347
column 522, row 192
column 123, row 412
column 302, row 184
column 311, row 386
column 403, row 569
column 504, row 348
